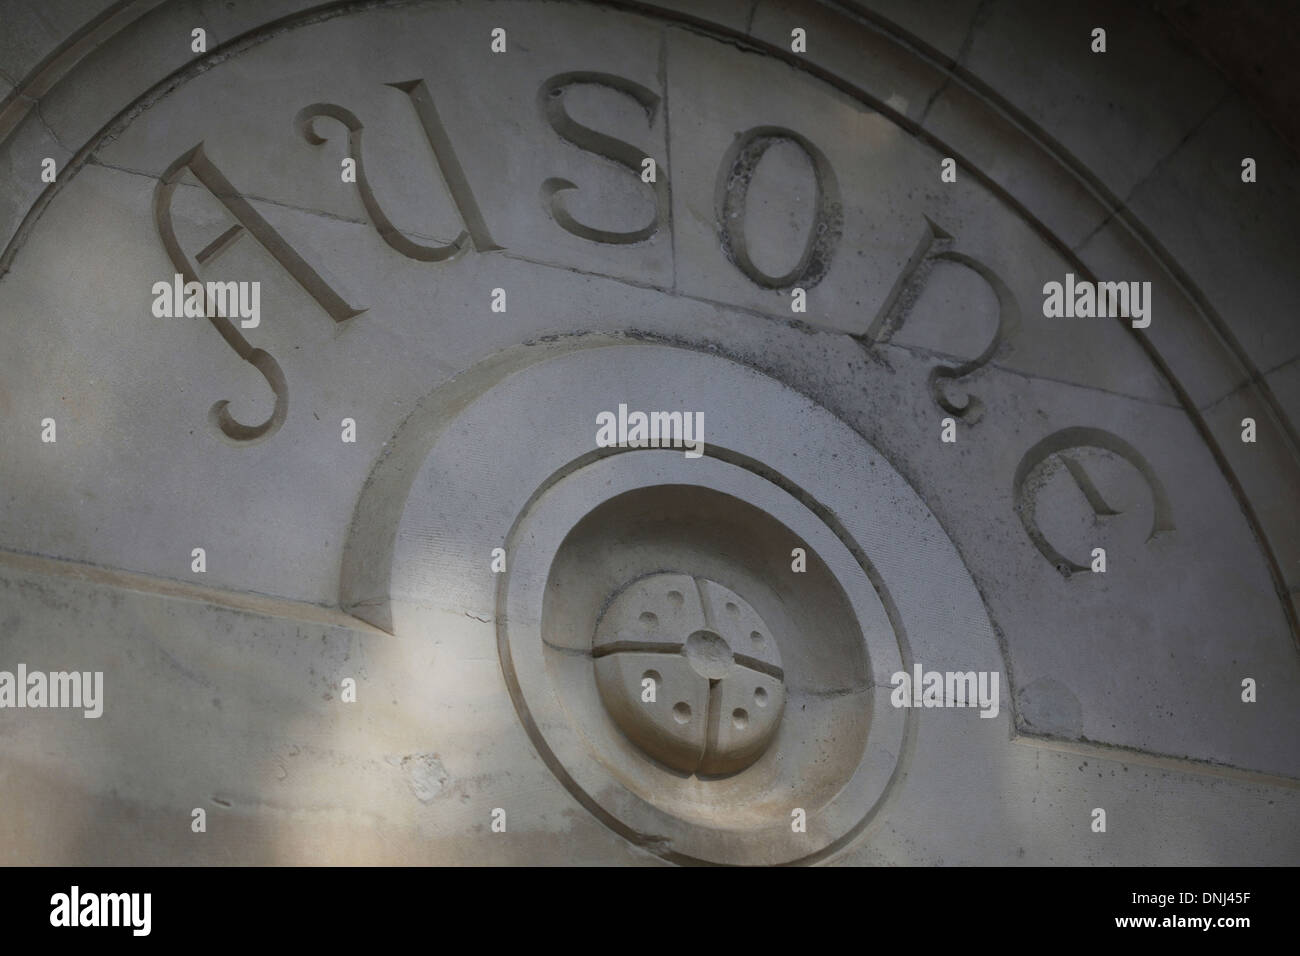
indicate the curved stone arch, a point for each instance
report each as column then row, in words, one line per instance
column 383, row 474
column 1047, row 180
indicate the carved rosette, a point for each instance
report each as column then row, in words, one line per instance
column 690, row 673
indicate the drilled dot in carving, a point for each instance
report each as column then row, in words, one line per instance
column 757, row 638
column 739, row 718
column 675, row 598
column 760, row 697
column 681, row 711
column 649, row 618
column 654, row 676
column 732, row 609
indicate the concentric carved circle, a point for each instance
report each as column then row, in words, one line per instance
column 713, row 764
column 631, row 565
column 766, row 591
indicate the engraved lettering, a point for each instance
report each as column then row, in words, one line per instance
column 305, row 123
column 248, row 220
column 935, row 246
column 551, row 100
column 449, row 167
column 1025, row 488
column 735, row 175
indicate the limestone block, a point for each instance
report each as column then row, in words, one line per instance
column 1118, row 113
column 1267, row 471
column 859, row 55
column 940, row 24
column 1004, row 153
column 34, row 31
column 1190, row 341
column 1205, row 216
column 21, row 168
column 438, row 615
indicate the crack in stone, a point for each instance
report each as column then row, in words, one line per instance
column 40, row 115
column 966, row 43
column 253, row 197
column 1150, row 174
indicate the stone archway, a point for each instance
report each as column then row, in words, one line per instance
column 497, row 273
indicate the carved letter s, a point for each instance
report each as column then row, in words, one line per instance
column 551, row 100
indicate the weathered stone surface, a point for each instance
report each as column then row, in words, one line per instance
column 1145, row 91
column 475, row 378
column 943, row 28
column 1199, row 203
column 34, row 31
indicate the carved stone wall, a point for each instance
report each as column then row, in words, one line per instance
column 364, row 582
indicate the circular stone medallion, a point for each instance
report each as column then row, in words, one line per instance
column 690, row 673
column 700, row 648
